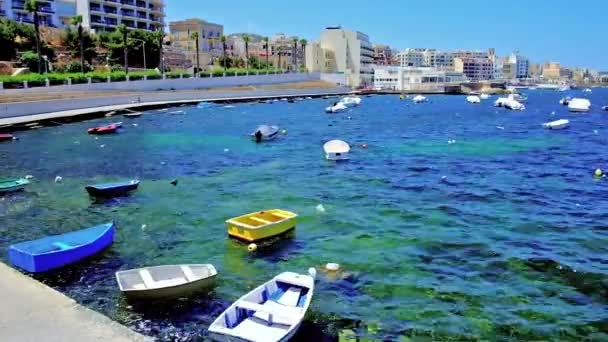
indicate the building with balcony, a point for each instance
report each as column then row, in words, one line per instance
column 105, row 15
column 344, row 52
column 552, row 71
column 520, row 65
column 475, row 68
column 210, row 45
column 15, row 9
column 383, row 55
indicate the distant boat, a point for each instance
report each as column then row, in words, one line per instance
column 203, row 105
column 351, row 101
column 109, row 129
column 509, row 103
column 587, row 90
column 265, row 133
column 473, row 99
column 165, row 282
column 336, row 150
column 261, row 225
column 578, row 105
column 521, row 98
column 56, row 251
column 13, row 185
column 419, row 99
column 6, row 137
column 272, row 312
column 133, row 115
column 112, row 189
column 564, row 88
column 559, row 124
column 605, row 108
column 336, row 108
column 484, row 96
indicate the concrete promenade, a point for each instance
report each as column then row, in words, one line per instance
column 31, row 311
column 33, row 111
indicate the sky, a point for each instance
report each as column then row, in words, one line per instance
column 570, row 32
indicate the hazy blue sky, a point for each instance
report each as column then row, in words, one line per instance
column 571, row 32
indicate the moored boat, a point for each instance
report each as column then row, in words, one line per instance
column 166, row 282
column 12, row 185
column 109, row 129
column 336, row 150
column 565, row 101
column 351, row 101
column 112, row 189
column 605, row 108
column 419, row 99
column 484, row 96
column 261, row 225
column 271, row 312
column 558, row 124
column 56, row 251
column 336, row 108
column 578, row 105
column 473, row 99
column 265, row 133
column 6, row 137
column 133, row 115
column 509, row 103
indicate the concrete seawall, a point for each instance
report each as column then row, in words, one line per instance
column 32, row 311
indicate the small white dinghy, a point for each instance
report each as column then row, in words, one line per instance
column 272, row 312
column 559, row 124
column 473, row 99
column 351, row 101
column 579, row 105
column 509, row 104
column 336, row 150
column 484, row 96
column 419, row 99
column 336, row 108
column 164, row 282
column 265, row 133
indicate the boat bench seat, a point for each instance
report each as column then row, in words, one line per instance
column 270, row 313
column 290, row 297
column 188, row 273
column 281, row 215
column 257, row 219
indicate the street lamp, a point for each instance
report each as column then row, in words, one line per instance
column 144, row 50
column 46, row 65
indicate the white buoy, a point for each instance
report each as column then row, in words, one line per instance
column 226, row 150
column 332, row 267
column 102, row 146
column 58, row 179
column 143, row 226
column 252, row 247
column 312, row 272
column 320, row 209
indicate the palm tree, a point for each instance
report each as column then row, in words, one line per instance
column 246, row 40
column 266, row 40
column 122, row 28
column 159, row 35
column 194, row 37
column 294, row 57
column 77, row 21
column 303, row 43
column 32, row 7
column 280, row 52
column 223, row 40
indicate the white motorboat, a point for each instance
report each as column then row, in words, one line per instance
column 271, row 312
column 564, row 88
column 579, row 105
column 351, row 101
column 473, row 99
column 559, row 124
column 565, row 101
column 509, row 103
column 419, row 99
column 484, row 96
column 336, row 108
column 336, row 150
column 587, row 90
column 518, row 97
column 265, row 133
column 163, row 282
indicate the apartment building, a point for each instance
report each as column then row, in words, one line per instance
column 15, row 10
column 552, row 71
column 475, row 68
column 520, row 65
column 106, row 15
column 383, row 55
column 344, row 52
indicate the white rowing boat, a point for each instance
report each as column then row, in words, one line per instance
column 559, row 124
column 336, row 150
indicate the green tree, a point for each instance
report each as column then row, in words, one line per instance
column 159, row 36
column 303, row 43
column 124, row 32
column 223, row 40
column 8, row 35
column 246, row 40
column 30, row 60
column 32, row 6
column 73, row 42
column 266, row 43
column 77, row 21
column 113, row 41
column 194, row 37
column 280, row 52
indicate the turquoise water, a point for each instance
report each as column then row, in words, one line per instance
column 501, row 235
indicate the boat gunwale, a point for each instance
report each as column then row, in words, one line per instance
column 234, row 221
column 165, row 287
column 109, row 227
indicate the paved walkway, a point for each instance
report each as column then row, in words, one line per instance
column 31, row 311
column 32, row 111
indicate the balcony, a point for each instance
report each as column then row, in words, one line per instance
column 111, row 21
column 110, row 10
column 129, row 23
column 141, row 4
column 128, row 2
column 142, row 26
column 128, row 13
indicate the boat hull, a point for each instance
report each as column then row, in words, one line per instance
column 249, row 234
column 115, row 191
column 13, row 186
column 200, row 286
column 6, row 137
column 58, row 250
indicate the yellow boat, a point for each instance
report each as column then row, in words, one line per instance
column 261, row 225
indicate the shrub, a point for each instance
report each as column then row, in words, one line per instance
column 29, row 60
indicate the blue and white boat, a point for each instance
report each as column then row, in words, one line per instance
column 56, row 251
column 112, row 189
column 272, row 312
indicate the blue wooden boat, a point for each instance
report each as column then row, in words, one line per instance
column 53, row 252
column 112, row 189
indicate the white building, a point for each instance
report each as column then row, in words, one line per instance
column 521, row 65
column 15, row 10
column 341, row 51
column 105, row 15
column 422, row 79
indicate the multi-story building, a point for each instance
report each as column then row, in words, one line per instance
column 535, row 70
column 475, row 68
column 345, row 52
column 521, row 65
column 414, row 79
column 552, row 71
column 411, row 57
column 209, row 40
column 383, row 55
column 106, row 15
column 15, row 9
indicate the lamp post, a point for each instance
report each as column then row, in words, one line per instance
column 46, row 66
column 143, row 42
